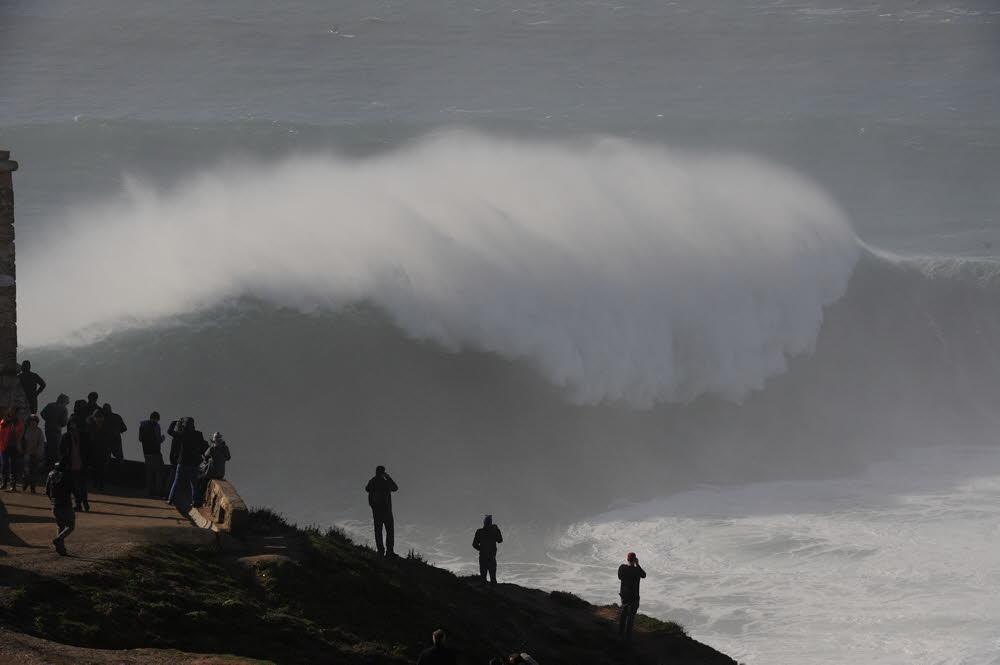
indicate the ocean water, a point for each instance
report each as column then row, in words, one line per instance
column 894, row 565
column 717, row 284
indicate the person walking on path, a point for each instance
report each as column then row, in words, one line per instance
column 438, row 654
column 629, row 573
column 32, row 451
column 213, row 465
column 74, row 449
column 56, row 416
column 380, row 489
column 151, row 437
column 11, row 431
column 117, row 427
column 59, row 489
column 187, row 448
column 485, row 541
column 32, row 384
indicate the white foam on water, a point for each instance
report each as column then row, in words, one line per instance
column 898, row 566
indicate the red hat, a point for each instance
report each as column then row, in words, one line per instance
column 630, row 556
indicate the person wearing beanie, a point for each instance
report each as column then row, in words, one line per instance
column 438, row 653
column 629, row 573
column 213, row 465
column 380, row 489
column 485, row 541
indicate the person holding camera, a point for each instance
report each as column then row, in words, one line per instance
column 629, row 573
column 485, row 541
column 380, row 489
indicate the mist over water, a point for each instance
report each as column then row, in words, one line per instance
column 713, row 283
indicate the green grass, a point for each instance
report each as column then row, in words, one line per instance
column 567, row 599
column 340, row 603
column 667, row 628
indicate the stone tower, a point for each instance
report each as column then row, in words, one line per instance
column 10, row 388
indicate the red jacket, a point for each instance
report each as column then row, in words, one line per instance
column 6, row 429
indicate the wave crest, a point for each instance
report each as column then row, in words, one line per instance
column 622, row 272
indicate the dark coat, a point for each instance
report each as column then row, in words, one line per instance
column 117, row 425
column 59, row 488
column 380, row 489
column 187, row 447
column 215, row 458
column 630, row 576
column 101, row 439
column 437, row 655
column 486, row 540
column 32, row 384
column 66, row 447
column 55, row 415
column 150, row 436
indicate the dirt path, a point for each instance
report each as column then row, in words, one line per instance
column 118, row 520
column 20, row 649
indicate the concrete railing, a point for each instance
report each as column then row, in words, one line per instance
column 223, row 510
column 127, row 473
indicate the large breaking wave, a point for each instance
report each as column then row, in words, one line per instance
column 624, row 273
column 546, row 327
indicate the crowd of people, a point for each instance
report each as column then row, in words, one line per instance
column 67, row 448
column 72, row 445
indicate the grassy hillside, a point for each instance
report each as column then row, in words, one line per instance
column 324, row 600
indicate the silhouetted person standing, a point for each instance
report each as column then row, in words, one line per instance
column 74, row 449
column 151, row 437
column 380, row 489
column 485, row 541
column 91, row 404
column 32, row 384
column 100, row 436
column 438, row 654
column 629, row 573
column 190, row 444
column 56, row 417
column 80, row 413
column 117, row 427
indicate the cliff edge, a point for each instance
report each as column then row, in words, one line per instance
column 297, row 596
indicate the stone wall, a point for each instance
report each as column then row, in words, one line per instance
column 223, row 509
column 10, row 388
